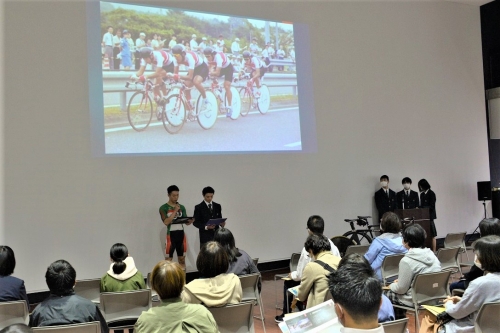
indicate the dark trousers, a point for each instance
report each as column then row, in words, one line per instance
column 287, row 305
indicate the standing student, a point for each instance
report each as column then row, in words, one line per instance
column 407, row 198
column 385, row 198
column 428, row 200
column 176, row 240
column 204, row 211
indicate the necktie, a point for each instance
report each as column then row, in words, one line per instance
column 210, row 207
column 387, row 192
column 406, row 193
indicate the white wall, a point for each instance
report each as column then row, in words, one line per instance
column 398, row 90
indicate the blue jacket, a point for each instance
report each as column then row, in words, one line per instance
column 386, row 311
column 12, row 289
column 384, row 245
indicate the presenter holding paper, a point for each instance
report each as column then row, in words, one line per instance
column 176, row 239
column 205, row 211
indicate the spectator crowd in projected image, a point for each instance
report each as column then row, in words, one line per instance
column 121, row 43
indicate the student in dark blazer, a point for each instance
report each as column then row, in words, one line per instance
column 428, row 200
column 205, row 211
column 385, row 198
column 407, row 199
column 11, row 288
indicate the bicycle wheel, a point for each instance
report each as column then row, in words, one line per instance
column 140, row 111
column 174, row 114
column 235, row 103
column 342, row 243
column 264, row 101
column 246, row 101
column 358, row 237
column 207, row 114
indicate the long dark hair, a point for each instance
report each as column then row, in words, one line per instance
column 225, row 238
column 118, row 253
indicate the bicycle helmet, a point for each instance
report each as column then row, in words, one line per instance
column 146, row 52
column 246, row 55
column 179, row 49
column 208, row 51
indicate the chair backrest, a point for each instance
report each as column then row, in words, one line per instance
column 255, row 261
column 15, row 312
column 488, row 320
column 294, row 261
column 456, row 239
column 249, row 286
column 395, row 326
column 448, row 258
column 92, row 327
column 89, row 289
column 428, row 288
column 234, row 318
column 125, row 305
column 390, row 266
column 360, row 249
column 342, row 243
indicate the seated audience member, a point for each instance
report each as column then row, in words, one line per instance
column 388, row 243
column 11, row 288
column 173, row 315
column 386, row 311
column 482, row 290
column 63, row 307
column 315, row 225
column 487, row 227
column 215, row 287
column 314, row 283
column 357, row 298
column 122, row 274
column 240, row 262
column 417, row 260
column 17, row 328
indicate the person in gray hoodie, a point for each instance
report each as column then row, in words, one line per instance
column 389, row 243
column 417, row 260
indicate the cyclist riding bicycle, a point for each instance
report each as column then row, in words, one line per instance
column 256, row 67
column 220, row 66
column 197, row 72
column 162, row 62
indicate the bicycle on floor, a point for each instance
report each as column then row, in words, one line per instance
column 174, row 113
column 251, row 100
column 220, row 93
column 361, row 236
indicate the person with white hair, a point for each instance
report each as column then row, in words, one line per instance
column 235, row 47
column 193, row 44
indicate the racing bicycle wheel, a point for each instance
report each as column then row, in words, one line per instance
column 174, row 114
column 246, row 101
column 140, row 111
column 264, row 101
column 207, row 114
column 358, row 238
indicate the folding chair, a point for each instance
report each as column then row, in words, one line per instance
column 457, row 239
column 154, row 295
column 255, row 261
column 488, row 320
column 91, row 327
column 342, row 243
column 390, row 267
column 428, row 289
column 395, row 326
column 15, row 312
column 234, row 318
column 89, row 289
column 448, row 258
column 249, row 285
column 360, row 249
column 294, row 261
column 124, row 308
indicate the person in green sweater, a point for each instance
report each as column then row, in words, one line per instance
column 122, row 274
column 173, row 315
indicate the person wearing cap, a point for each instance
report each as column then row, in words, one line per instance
column 139, row 44
column 256, row 67
column 220, row 65
column 193, row 44
column 266, row 56
column 220, row 44
column 235, row 47
column 125, row 54
column 253, row 47
column 202, row 45
column 172, row 42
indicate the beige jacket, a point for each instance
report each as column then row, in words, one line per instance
column 212, row 292
column 314, row 282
